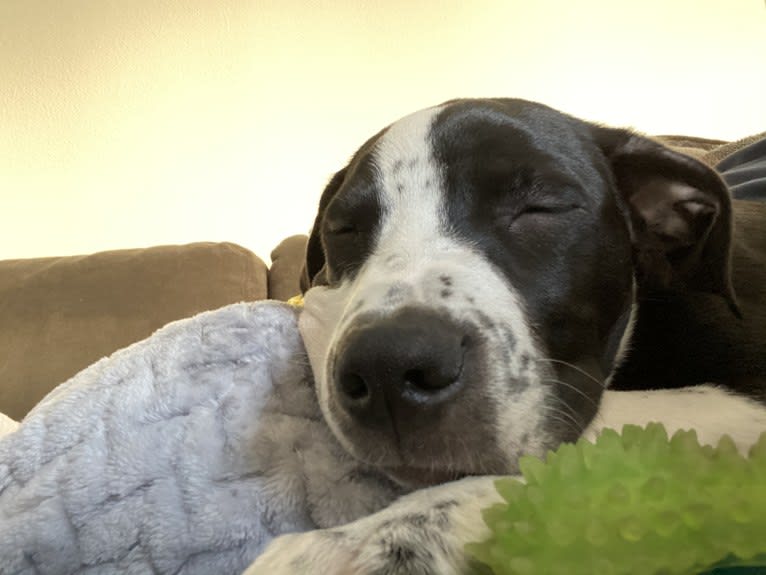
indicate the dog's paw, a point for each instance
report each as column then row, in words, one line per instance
column 423, row 533
column 414, row 543
column 322, row 551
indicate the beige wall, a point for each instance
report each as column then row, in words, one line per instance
column 127, row 123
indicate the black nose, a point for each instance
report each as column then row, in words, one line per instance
column 400, row 365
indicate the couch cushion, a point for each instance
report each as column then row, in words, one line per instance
column 286, row 267
column 58, row 315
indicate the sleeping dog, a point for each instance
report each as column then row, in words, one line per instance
column 491, row 278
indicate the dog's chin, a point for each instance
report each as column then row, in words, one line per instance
column 417, row 478
column 408, row 476
column 418, row 470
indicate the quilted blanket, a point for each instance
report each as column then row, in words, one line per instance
column 184, row 453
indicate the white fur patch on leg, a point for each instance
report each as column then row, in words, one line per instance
column 710, row 410
column 423, row 533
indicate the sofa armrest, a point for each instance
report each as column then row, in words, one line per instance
column 58, row 315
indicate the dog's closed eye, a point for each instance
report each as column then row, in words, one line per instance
column 546, row 209
column 341, row 229
column 541, row 214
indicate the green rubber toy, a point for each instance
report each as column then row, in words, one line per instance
column 635, row 503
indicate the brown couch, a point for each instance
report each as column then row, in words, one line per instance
column 58, row 315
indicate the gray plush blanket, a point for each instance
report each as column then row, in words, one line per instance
column 184, row 453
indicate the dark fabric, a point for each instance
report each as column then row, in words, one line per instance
column 745, row 171
column 715, row 155
column 58, row 315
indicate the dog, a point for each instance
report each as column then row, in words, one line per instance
column 491, row 278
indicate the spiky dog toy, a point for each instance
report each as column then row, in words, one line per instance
column 632, row 503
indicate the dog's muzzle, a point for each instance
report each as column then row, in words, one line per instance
column 395, row 373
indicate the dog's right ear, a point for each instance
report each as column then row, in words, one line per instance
column 315, row 265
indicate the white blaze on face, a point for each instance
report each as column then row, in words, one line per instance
column 414, row 263
column 411, row 182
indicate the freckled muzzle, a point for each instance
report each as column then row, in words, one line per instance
column 408, row 392
column 396, row 371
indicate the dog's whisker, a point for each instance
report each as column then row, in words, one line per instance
column 567, row 422
column 575, row 413
column 574, row 422
column 567, row 412
column 578, row 369
column 573, row 388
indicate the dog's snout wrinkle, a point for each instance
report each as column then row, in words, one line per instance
column 394, row 368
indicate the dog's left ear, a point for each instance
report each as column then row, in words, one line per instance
column 679, row 212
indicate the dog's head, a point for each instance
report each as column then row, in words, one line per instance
column 476, row 268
